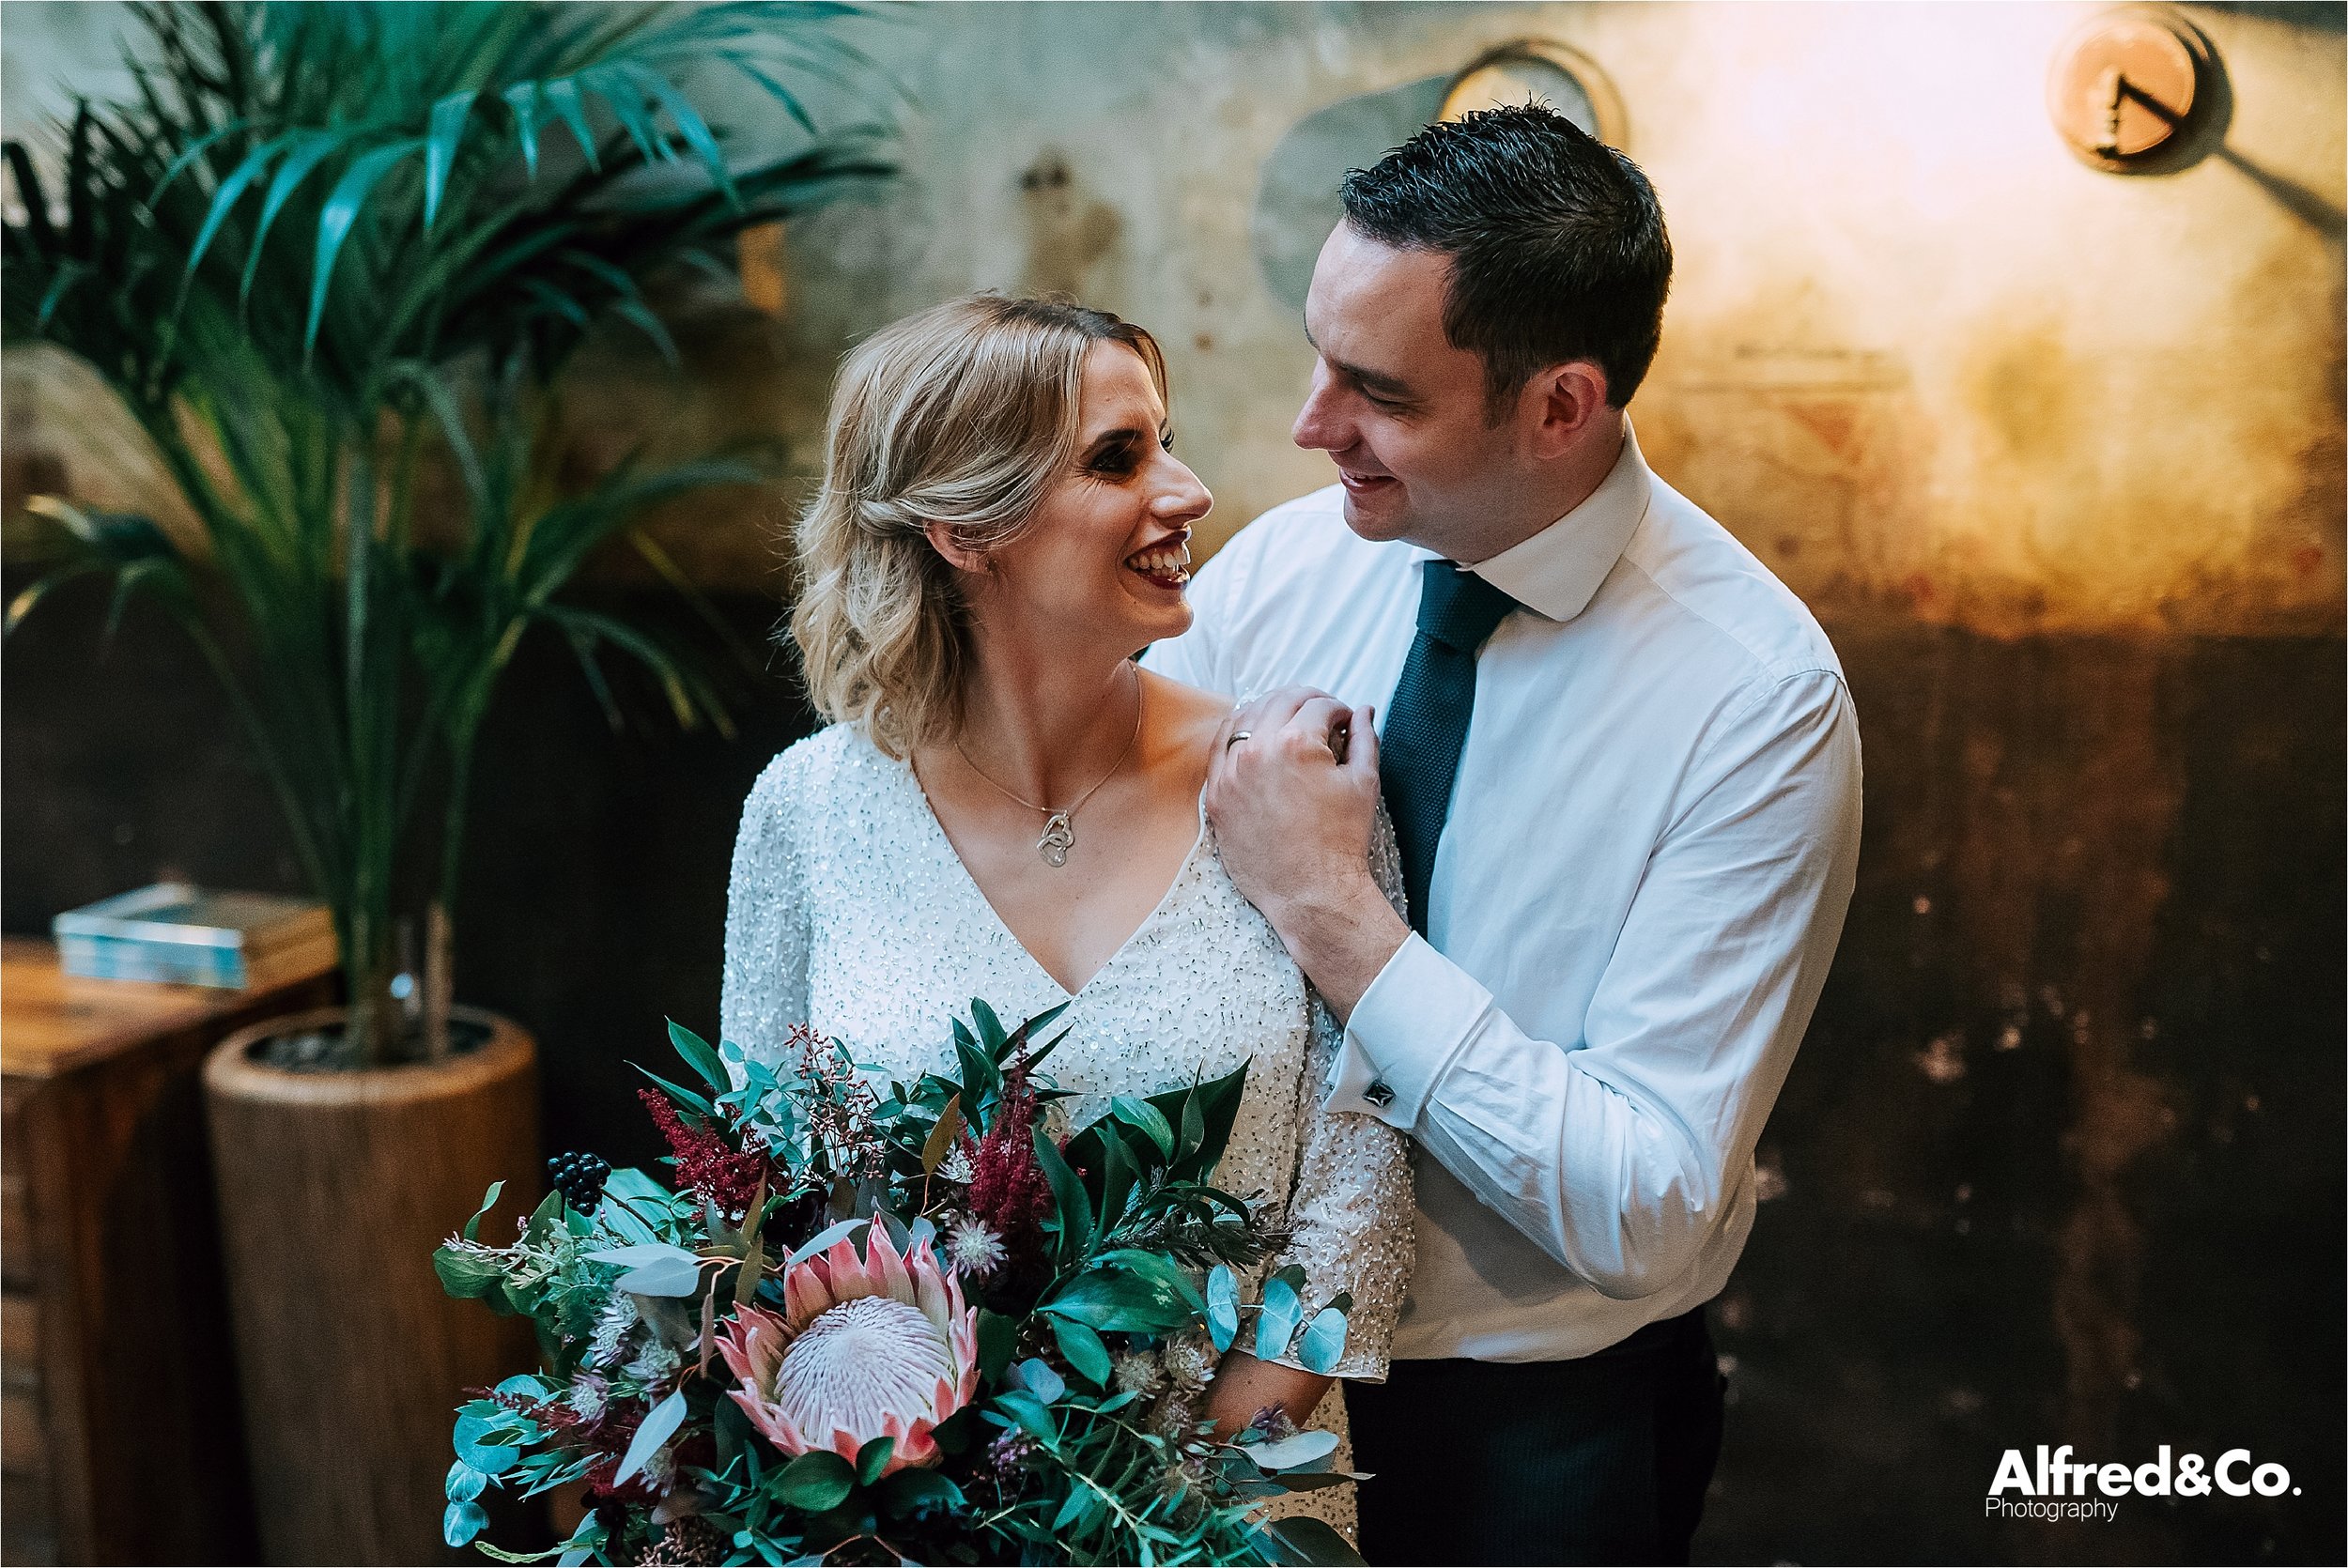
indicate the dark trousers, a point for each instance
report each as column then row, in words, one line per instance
column 1604, row 1459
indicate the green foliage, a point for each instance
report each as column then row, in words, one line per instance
column 1086, row 1440
column 322, row 244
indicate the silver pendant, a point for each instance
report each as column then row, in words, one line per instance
column 1059, row 838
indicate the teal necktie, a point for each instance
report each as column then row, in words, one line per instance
column 1427, row 726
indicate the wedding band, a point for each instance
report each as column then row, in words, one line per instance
column 1237, row 736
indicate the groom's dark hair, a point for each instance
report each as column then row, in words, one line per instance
column 1556, row 244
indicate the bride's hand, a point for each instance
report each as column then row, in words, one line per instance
column 1243, row 1385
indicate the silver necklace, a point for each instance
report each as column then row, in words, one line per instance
column 1060, row 830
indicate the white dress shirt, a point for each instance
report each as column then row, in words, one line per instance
column 1650, row 848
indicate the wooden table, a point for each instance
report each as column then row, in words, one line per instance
column 121, row 1439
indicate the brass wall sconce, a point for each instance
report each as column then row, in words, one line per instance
column 2129, row 86
column 1539, row 71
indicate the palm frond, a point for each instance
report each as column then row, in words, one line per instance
column 318, row 245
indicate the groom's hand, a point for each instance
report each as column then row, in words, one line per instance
column 1294, row 804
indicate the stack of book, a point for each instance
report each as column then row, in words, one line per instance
column 188, row 936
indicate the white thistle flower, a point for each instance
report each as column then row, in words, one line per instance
column 1189, row 1363
column 656, row 1364
column 1172, row 1418
column 590, row 1395
column 660, row 1469
column 1137, row 1371
column 974, row 1248
column 609, row 1342
column 955, row 1167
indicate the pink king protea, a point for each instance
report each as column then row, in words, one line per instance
column 877, row 1346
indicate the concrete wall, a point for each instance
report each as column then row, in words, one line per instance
column 1919, row 357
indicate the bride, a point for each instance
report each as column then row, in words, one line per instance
column 1005, row 806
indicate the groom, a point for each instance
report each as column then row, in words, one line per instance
column 1623, row 771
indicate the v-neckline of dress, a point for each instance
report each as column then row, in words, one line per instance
column 919, row 800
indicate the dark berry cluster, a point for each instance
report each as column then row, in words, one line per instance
column 579, row 1178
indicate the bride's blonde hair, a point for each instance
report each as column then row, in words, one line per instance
column 965, row 415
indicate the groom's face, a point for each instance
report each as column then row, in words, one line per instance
column 1395, row 404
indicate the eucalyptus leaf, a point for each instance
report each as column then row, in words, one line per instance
column 1222, row 1306
column 1292, row 1453
column 488, row 1458
column 462, row 1521
column 1323, row 1343
column 464, row 1483
column 1276, row 1319
column 658, row 1426
column 654, row 1268
column 1038, row 1378
column 640, row 1254
column 824, row 1239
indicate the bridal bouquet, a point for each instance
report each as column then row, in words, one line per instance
column 917, row 1328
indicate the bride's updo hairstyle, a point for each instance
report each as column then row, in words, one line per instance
column 965, row 415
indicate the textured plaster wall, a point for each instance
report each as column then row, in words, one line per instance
column 1919, row 358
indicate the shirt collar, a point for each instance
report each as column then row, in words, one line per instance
column 1558, row 570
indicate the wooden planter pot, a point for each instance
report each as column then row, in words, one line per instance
column 335, row 1188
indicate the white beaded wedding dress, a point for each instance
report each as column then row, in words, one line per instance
column 851, row 912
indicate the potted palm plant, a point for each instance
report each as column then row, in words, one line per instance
column 325, row 254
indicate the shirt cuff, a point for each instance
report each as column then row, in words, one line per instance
column 1409, row 1026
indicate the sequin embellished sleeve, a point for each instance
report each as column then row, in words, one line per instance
column 1353, row 1210
column 765, row 989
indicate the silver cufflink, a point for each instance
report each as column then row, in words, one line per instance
column 1379, row 1093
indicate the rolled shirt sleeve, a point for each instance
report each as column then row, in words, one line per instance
column 1615, row 1153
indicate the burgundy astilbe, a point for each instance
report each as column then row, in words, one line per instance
column 725, row 1176
column 1008, row 1188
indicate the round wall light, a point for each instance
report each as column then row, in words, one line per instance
column 2127, row 88
column 1537, row 70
